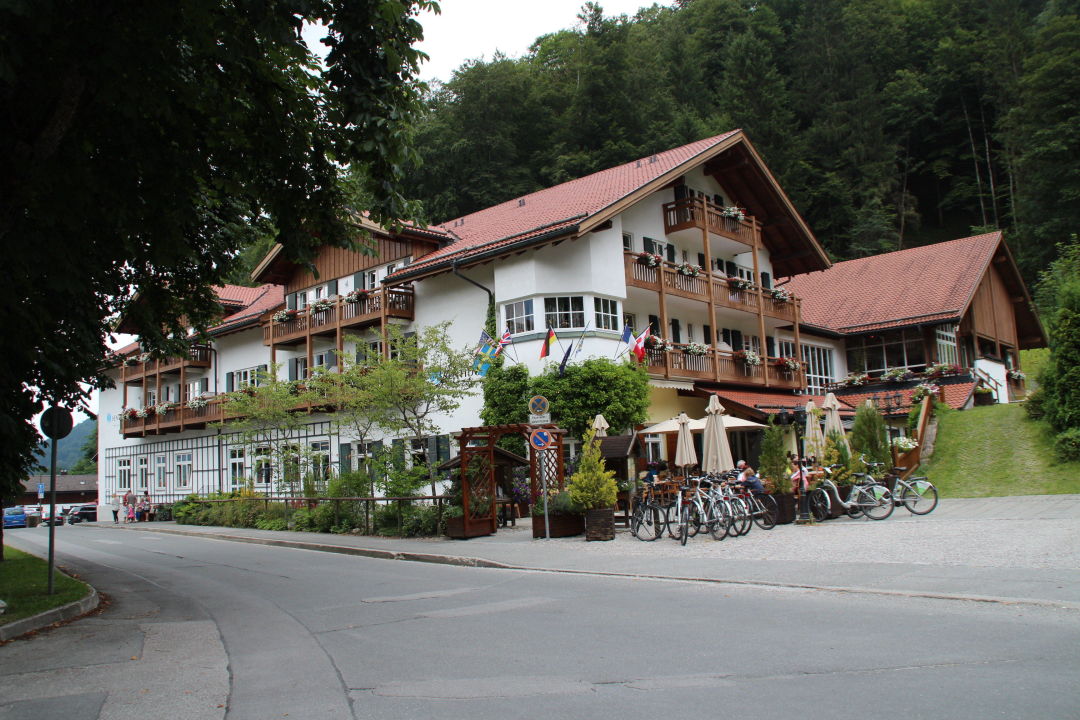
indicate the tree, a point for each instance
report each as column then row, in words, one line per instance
column 620, row 391
column 773, row 458
column 868, row 434
column 1060, row 379
column 506, row 397
column 592, row 486
column 421, row 377
column 145, row 144
column 87, row 462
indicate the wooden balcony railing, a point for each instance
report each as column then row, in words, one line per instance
column 198, row 357
column 700, row 213
column 697, row 288
column 368, row 309
column 721, row 366
column 178, row 418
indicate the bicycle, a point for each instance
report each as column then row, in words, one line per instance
column 866, row 497
column 917, row 494
column 649, row 518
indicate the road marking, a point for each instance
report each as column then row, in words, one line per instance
column 419, row 595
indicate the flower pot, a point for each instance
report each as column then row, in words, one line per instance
column 785, row 505
column 984, row 398
column 561, row 525
column 600, row 524
column 455, row 528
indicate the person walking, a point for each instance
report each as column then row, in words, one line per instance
column 130, row 512
column 116, row 509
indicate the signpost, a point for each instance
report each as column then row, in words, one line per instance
column 56, row 424
column 40, row 491
column 541, row 441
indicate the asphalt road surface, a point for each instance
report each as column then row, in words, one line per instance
column 200, row 628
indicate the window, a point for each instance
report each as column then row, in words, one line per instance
column 183, row 470
column 301, row 300
column 653, row 447
column 247, row 376
column 519, row 316
column 819, row 364
column 627, row 241
column 567, row 311
column 161, row 480
column 320, row 460
column 319, row 292
column 264, row 468
column 877, row 353
column 301, row 368
column 123, row 473
column 144, row 473
column 237, row 468
column 945, row 340
column 630, row 320
column 607, row 314
column 151, row 398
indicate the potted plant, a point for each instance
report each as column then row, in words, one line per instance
column 984, row 395
column 774, row 471
column 688, row 270
column 788, row 364
column 593, row 489
column 655, row 342
column 196, row 403
column 564, row 515
column 737, row 283
column 733, row 212
column 780, row 295
column 695, row 349
column 748, row 358
column 321, row 305
column 922, row 390
column 897, row 375
column 649, row 259
column 356, row 296
column 284, row 315
column 1015, row 375
column 855, row 379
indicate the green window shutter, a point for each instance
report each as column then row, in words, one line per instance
column 766, row 281
column 290, row 301
column 331, row 288
column 344, row 457
column 229, row 382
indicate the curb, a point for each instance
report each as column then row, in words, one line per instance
column 464, row 561
column 60, row 614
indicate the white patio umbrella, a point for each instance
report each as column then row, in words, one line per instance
column 715, row 450
column 685, row 455
column 600, row 425
column 730, row 423
column 832, row 419
column 791, row 442
column 813, row 439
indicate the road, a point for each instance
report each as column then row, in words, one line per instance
column 204, row 628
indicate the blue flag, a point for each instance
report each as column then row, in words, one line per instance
column 565, row 358
column 627, row 334
column 482, row 361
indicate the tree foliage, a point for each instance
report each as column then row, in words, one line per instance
column 145, row 144
column 773, row 458
column 1060, row 379
column 619, row 391
column 592, row 486
column 869, row 435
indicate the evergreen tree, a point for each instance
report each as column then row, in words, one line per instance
column 869, row 435
column 592, row 486
column 773, row 458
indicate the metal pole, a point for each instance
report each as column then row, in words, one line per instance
column 543, row 481
column 52, row 513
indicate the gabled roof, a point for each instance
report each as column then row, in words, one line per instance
column 918, row 286
column 575, row 207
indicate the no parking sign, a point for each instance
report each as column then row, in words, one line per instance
column 540, row 439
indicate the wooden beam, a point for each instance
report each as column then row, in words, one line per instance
column 602, row 226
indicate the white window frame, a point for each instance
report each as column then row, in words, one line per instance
column 567, row 318
column 302, row 300
column 820, row 365
column 518, row 316
column 947, row 348
column 606, row 314
column 182, row 462
column 264, row 465
column 123, row 473
column 144, row 473
column 161, row 472
column 628, row 241
column 237, row 461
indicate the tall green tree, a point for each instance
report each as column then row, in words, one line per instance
column 618, row 391
column 145, row 144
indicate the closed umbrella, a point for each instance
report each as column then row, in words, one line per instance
column 832, row 419
column 716, row 453
column 813, row 439
column 600, row 425
column 685, row 456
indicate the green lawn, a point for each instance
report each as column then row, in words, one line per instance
column 24, row 584
column 996, row 450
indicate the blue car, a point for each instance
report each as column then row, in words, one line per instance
column 15, row 517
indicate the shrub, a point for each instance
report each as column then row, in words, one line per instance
column 1067, row 445
column 773, row 458
column 593, row 486
column 1035, row 405
column 868, row 435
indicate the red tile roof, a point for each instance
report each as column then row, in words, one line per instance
column 956, row 396
column 238, row 294
column 770, row 400
column 557, row 207
column 907, row 287
column 266, row 297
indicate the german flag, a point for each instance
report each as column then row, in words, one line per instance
column 545, row 348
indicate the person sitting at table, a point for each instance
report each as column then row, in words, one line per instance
column 748, row 480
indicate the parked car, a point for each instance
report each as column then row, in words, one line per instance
column 83, row 513
column 15, row 517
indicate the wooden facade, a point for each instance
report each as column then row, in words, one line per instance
column 992, row 313
column 335, row 262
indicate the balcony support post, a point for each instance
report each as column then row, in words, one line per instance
column 711, row 314
column 760, row 305
column 384, row 297
column 307, row 339
column 663, row 317
column 798, row 344
column 182, row 397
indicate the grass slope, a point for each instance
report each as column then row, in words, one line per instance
column 24, row 584
column 997, row 450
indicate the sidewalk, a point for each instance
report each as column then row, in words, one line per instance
column 1014, row 550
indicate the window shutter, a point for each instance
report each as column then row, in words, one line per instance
column 335, row 359
column 229, row 386
column 344, row 457
column 331, row 288
column 654, row 325
column 770, row 346
column 204, row 385
column 290, row 301
column 648, row 244
column 766, row 281
column 701, row 261
column 260, row 376
column 358, row 280
column 717, row 200
column 293, row 369
column 676, row 331
column 731, row 269
column 726, row 335
column 681, row 192
column 671, row 253
column 442, row 448
column 432, row 449
column 706, row 331
column 736, row 339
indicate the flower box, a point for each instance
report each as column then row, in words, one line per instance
column 733, row 212
column 788, row 364
column 356, row 296
column 283, row 316
column 599, row 524
column 654, row 342
column 196, row 403
column 737, row 283
column 688, row 270
column 780, row 295
column 696, row 349
column 748, row 358
column 321, row 305
column 455, row 528
column 649, row 260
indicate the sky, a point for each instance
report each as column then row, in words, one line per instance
column 475, row 29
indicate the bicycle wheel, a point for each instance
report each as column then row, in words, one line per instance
column 695, row 523
column 819, row 504
column 647, row 523
column 920, row 498
column 741, row 522
column 767, row 511
column 684, row 524
column 721, row 520
column 876, row 502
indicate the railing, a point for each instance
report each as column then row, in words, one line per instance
column 400, row 303
column 178, row 417
column 700, row 213
column 720, row 366
column 910, row 459
column 696, row 287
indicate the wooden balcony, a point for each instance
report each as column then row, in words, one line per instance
column 699, row 213
column 178, row 419
column 721, row 366
column 342, row 314
column 670, row 281
column 198, row 357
